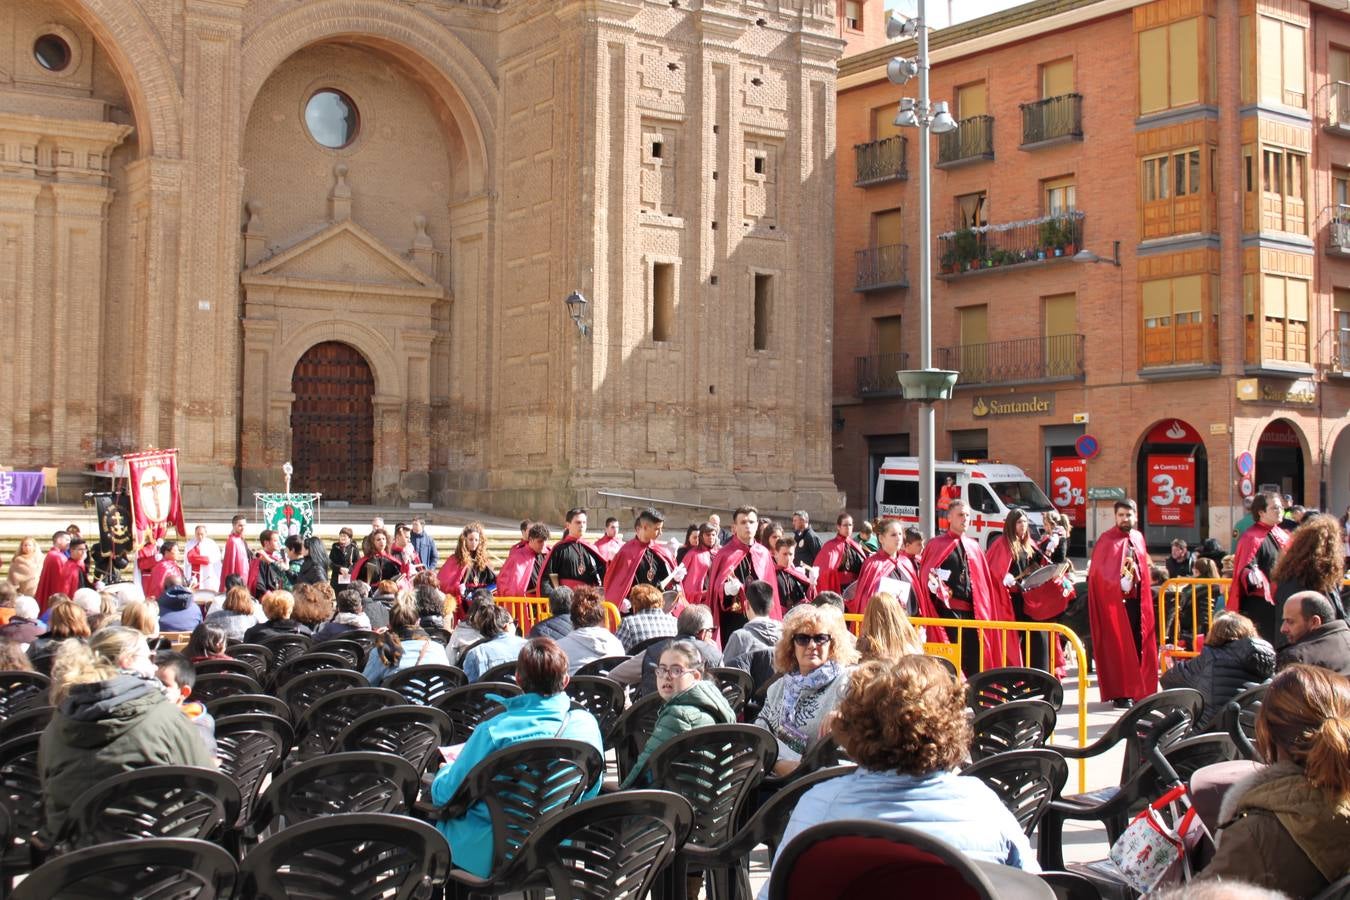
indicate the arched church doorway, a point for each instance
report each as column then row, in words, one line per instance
column 333, row 423
column 1279, row 460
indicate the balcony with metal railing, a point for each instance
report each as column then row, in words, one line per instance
column 972, row 141
column 1056, row 357
column 875, row 375
column 881, row 268
column 1340, row 351
column 1052, row 121
column 1338, row 107
column 1009, row 245
column 1338, row 231
column 878, row 162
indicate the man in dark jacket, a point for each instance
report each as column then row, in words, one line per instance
column 559, row 622
column 1316, row 637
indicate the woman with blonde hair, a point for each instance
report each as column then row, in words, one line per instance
column 886, row 633
column 278, row 607
column 66, row 622
column 470, row 567
column 112, row 716
column 1285, row 826
column 1313, row 561
column 142, row 615
column 1233, row 657
column 237, row 615
column 25, row 567
column 814, row 656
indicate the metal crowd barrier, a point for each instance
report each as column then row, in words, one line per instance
column 529, row 610
column 1169, row 628
column 955, row 627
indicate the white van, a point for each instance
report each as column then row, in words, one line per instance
column 991, row 491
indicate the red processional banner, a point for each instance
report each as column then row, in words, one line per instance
column 1171, row 491
column 155, row 499
column 1068, row 488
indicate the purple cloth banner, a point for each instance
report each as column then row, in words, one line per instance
column 20, row 488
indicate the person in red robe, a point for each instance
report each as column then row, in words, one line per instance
column 380, row 565
column 572, row 562
column 1012, row 557
column 643, row 560
column 956, row 581
column 740, row 561
column 519, row 575
column 609, row 543
column 897, row 550
column 697, row 563
column 53, row 575
column 841, row 558
column 794, row 588
column 1258, row 549
column 203, row 557
column 235, row 559
column 168, row 563
column 76, row 574
column 1120, row 612
column 468, row 568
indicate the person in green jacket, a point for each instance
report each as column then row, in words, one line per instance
column 112, row 716
column 691, row 701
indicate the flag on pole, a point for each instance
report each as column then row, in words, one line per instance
column 155, row 499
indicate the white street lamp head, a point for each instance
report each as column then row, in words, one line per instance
column 942, row 122
column 905, row 117
column 900, row 70
column 897, row 27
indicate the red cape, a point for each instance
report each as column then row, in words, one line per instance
column 451, row 578
column 805, row 582
column 72, row 578
column 199, row 562
column 146, row 559
column 622, row 569
column 876, row 567
column 725, row 562
column 1248, row 544
column 990, row 605
column 513, row 579
column 830, row 557
column 154, row 586
column 52, row 579
column 567, row 539
column 1120, row 673
column 235, row 559
column 608, row 547
column 697, row 564
column 361, row 564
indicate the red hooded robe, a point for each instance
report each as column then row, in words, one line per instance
column 990, row 604
column 608, row 547
column 154, row 585
column 1121, row 673
column 1248, row 544
column 725, row 563
column 513, row 579
column 52, row 579
column 697, row 564
column 623, row 568
column 596, row 558
column 830, row 558
column 235, row 559
column 877, row 567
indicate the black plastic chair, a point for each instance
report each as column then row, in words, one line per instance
column 854, row 858
column 1249, row 705
column 439, row 635
column 154, row 802
column 994, row 687
column 21, row 792
column 178, row 868
column 736, row 686
column 821, row 753
column 502, row 672
column 301, row 692
column 1134, row 725
column 350, row 650
column 1115, row 806
column 519, row 784
column 22, row 690
column 306, row 663
column 250, row 748
column 31, row 721
column 260, row 658
column 728, row 866
column 1025, row 780
column 223, row 684
column 227, row 666
column 600, row 696
column 631, row 731
column 286, row 647
column 1071, row 886
column 602, row 666
column 1234, row 727
column 353, row 856
column 366, row 639
column 337, row 783
column 248, row 704
column 641, row 647
column 424, row 685
column 609, row 848
column 1016, row 725
column 415, row 733
column 469, row 705
column 317, row 731
column 1337, row 890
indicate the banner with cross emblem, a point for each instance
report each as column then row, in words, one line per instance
column 155, row 500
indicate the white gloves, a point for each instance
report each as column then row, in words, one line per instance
column 1126, row 583
column 732, row 587
column 1009, row 580
column 944, row 575
column 1051, row 544
column 1254, row 577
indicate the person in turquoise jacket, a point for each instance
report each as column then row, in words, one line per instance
column 542, row 711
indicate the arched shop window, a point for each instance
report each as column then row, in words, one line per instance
column 1172, row 489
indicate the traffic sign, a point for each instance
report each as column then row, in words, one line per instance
column 1246, row 464
column 1087, row 446
column 1247, row 487
column 1106, row 493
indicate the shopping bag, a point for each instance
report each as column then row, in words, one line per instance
column 1152, row 852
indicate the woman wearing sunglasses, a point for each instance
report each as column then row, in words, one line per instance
column 813, row 655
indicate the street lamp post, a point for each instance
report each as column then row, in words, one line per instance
column 925, row 384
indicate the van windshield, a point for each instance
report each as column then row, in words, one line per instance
column 1021, row 495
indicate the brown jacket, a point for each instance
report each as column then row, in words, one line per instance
column 1281, row 832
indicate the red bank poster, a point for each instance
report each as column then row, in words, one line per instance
column 1171, row 491
column 1068, row 488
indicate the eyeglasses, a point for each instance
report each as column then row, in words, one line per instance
column 806, row 640
column 673, row 671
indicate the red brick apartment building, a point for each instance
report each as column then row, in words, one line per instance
column 1204, row 145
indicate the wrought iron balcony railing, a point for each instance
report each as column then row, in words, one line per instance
column 1338, row 231
column 875, row 375
column 973, row 139
column 1052, row 118
column 880, row 268
column 1053, row 358
column 1010, row 244
column 880, row 161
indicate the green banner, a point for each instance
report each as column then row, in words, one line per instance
column 289, row 514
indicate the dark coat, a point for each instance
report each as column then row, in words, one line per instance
column 1221, row 673
column 1326, row 645
column 554, row 627
column 273, row 627
column 377, row 611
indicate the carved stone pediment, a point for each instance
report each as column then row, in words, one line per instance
column 343, row 256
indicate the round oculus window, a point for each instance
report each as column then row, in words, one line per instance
column 332, row 118
column 52, row 52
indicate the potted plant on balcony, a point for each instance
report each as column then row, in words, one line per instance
column 1049, row 238
column 1069, row 234
column 948, row 262
column 967, row 248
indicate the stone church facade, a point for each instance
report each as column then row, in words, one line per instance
column 341, row 232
